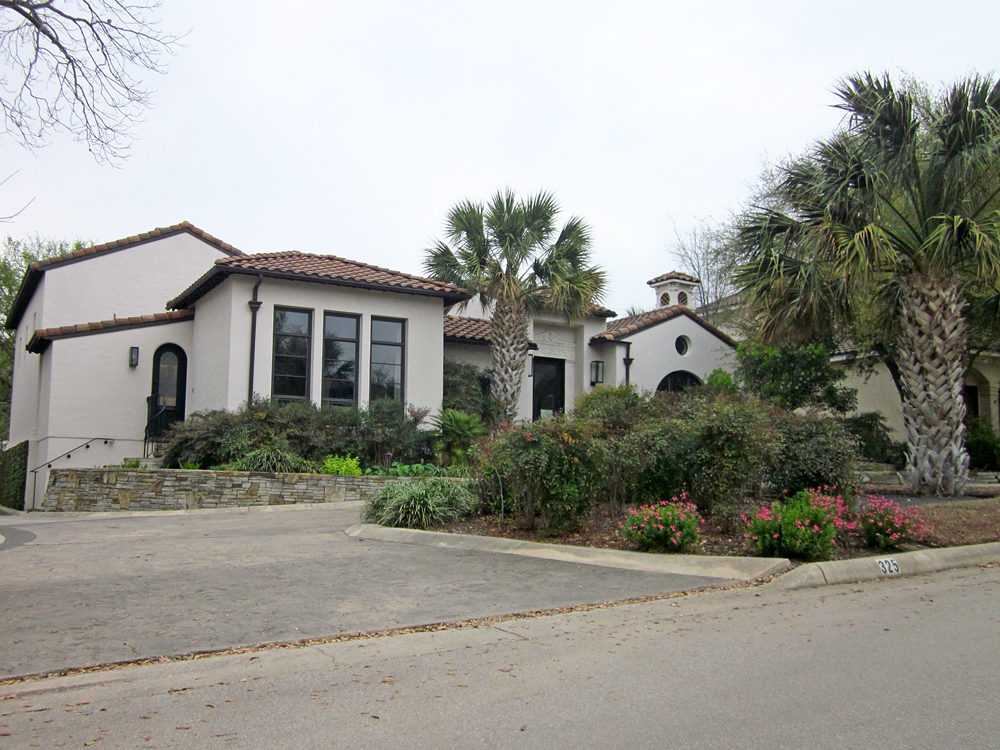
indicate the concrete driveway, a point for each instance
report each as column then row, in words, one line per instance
column 96, row 588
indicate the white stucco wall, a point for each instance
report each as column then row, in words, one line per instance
column 137, row 280
column 27, row 371
column 89, row 391
column 655, row 353
column 424, row 337
column 210, row 384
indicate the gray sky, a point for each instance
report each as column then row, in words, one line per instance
column 351, row 128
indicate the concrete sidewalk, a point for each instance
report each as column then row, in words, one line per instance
column 99, row 588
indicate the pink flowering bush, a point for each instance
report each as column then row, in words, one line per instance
column 844, row 519
column 665, row 527
column 884, row 525
column 801, row 527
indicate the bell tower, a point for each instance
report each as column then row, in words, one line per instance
column 675, row 288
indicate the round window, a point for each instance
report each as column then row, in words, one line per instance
column 683, row 343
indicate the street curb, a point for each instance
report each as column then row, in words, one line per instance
column 723, row 568
column 888, row 565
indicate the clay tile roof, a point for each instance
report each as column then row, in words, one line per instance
column 44, row 336
column 462, row 330
column 327, row 269
column 624, row 326
column 38, row 268
column 674, row 275
column 458, row 328
column 601, row 312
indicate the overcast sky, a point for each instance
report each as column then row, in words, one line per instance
column 351, row 128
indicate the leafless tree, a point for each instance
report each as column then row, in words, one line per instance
column 76, row 66
column 707, row 252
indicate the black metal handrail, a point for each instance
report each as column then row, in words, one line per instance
column 67, row 454
column 154, row 428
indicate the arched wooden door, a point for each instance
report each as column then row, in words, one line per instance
column 166, row 402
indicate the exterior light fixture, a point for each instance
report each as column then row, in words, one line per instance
column 133, row 356
column 596, row 372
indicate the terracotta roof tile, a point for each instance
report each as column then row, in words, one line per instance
column 184, row 226
column 329, row 269
column 462, row 330
column 466, row 329
column 44, row 336
column 674, row 275
column 625, row 326
column 601, row 312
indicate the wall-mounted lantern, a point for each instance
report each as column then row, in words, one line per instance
column 596, row 372
column 133, row 356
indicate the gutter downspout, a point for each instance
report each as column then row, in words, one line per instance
column 254, row 307
column 628, row 360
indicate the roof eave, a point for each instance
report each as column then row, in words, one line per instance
column 196, row 292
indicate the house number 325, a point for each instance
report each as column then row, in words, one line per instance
column 888, row 566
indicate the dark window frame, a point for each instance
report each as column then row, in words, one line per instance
column 357, row 359
column 274, row 353
column 373, row 342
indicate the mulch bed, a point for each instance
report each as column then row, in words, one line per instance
column 955, row 523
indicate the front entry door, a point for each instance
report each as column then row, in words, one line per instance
column 549, row 390
column 166, row 404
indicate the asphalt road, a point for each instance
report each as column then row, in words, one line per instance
column 96, row 588
column 902, row 664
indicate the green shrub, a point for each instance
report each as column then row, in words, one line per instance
column 456, row 432
column 983, row 446
column 720, row 380
column 269, row 460
column 190, row 465
column 467, row 389
column 794, row 376
column 345, row 466
column 797, row 528
column 417, row 470
column 383, row 432
column 419, row 504
column 549, row 470
column 612, row 410
column 814, row 451
column 14, row 476
column 665, row 527
column 875, row 442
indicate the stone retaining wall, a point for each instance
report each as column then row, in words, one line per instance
column 179, row 489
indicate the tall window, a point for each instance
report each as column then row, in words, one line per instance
column 292, row 337
column 340, row 358
column 387, row 359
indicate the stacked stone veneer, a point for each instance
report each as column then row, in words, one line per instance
column 178, row 489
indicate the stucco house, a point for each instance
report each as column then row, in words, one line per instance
column 115, row 342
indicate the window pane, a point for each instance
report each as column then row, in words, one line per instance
column 387, row 330
column 387, row 355
column 291, row 321
column 340, row 327
column 340, row 350
column 295, row 346
column 290, row 366
column 289, row 386
column 168, row 378
column 338, row 389
column 338, row 369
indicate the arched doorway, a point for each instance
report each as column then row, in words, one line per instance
column 678, row 380
column 165, row 404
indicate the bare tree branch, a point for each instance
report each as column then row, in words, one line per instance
column 76, row 66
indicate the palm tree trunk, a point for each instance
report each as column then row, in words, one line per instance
column 509, row 340
column 931, row 351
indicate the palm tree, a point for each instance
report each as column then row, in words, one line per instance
column 510, row 254
column 894, row 220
